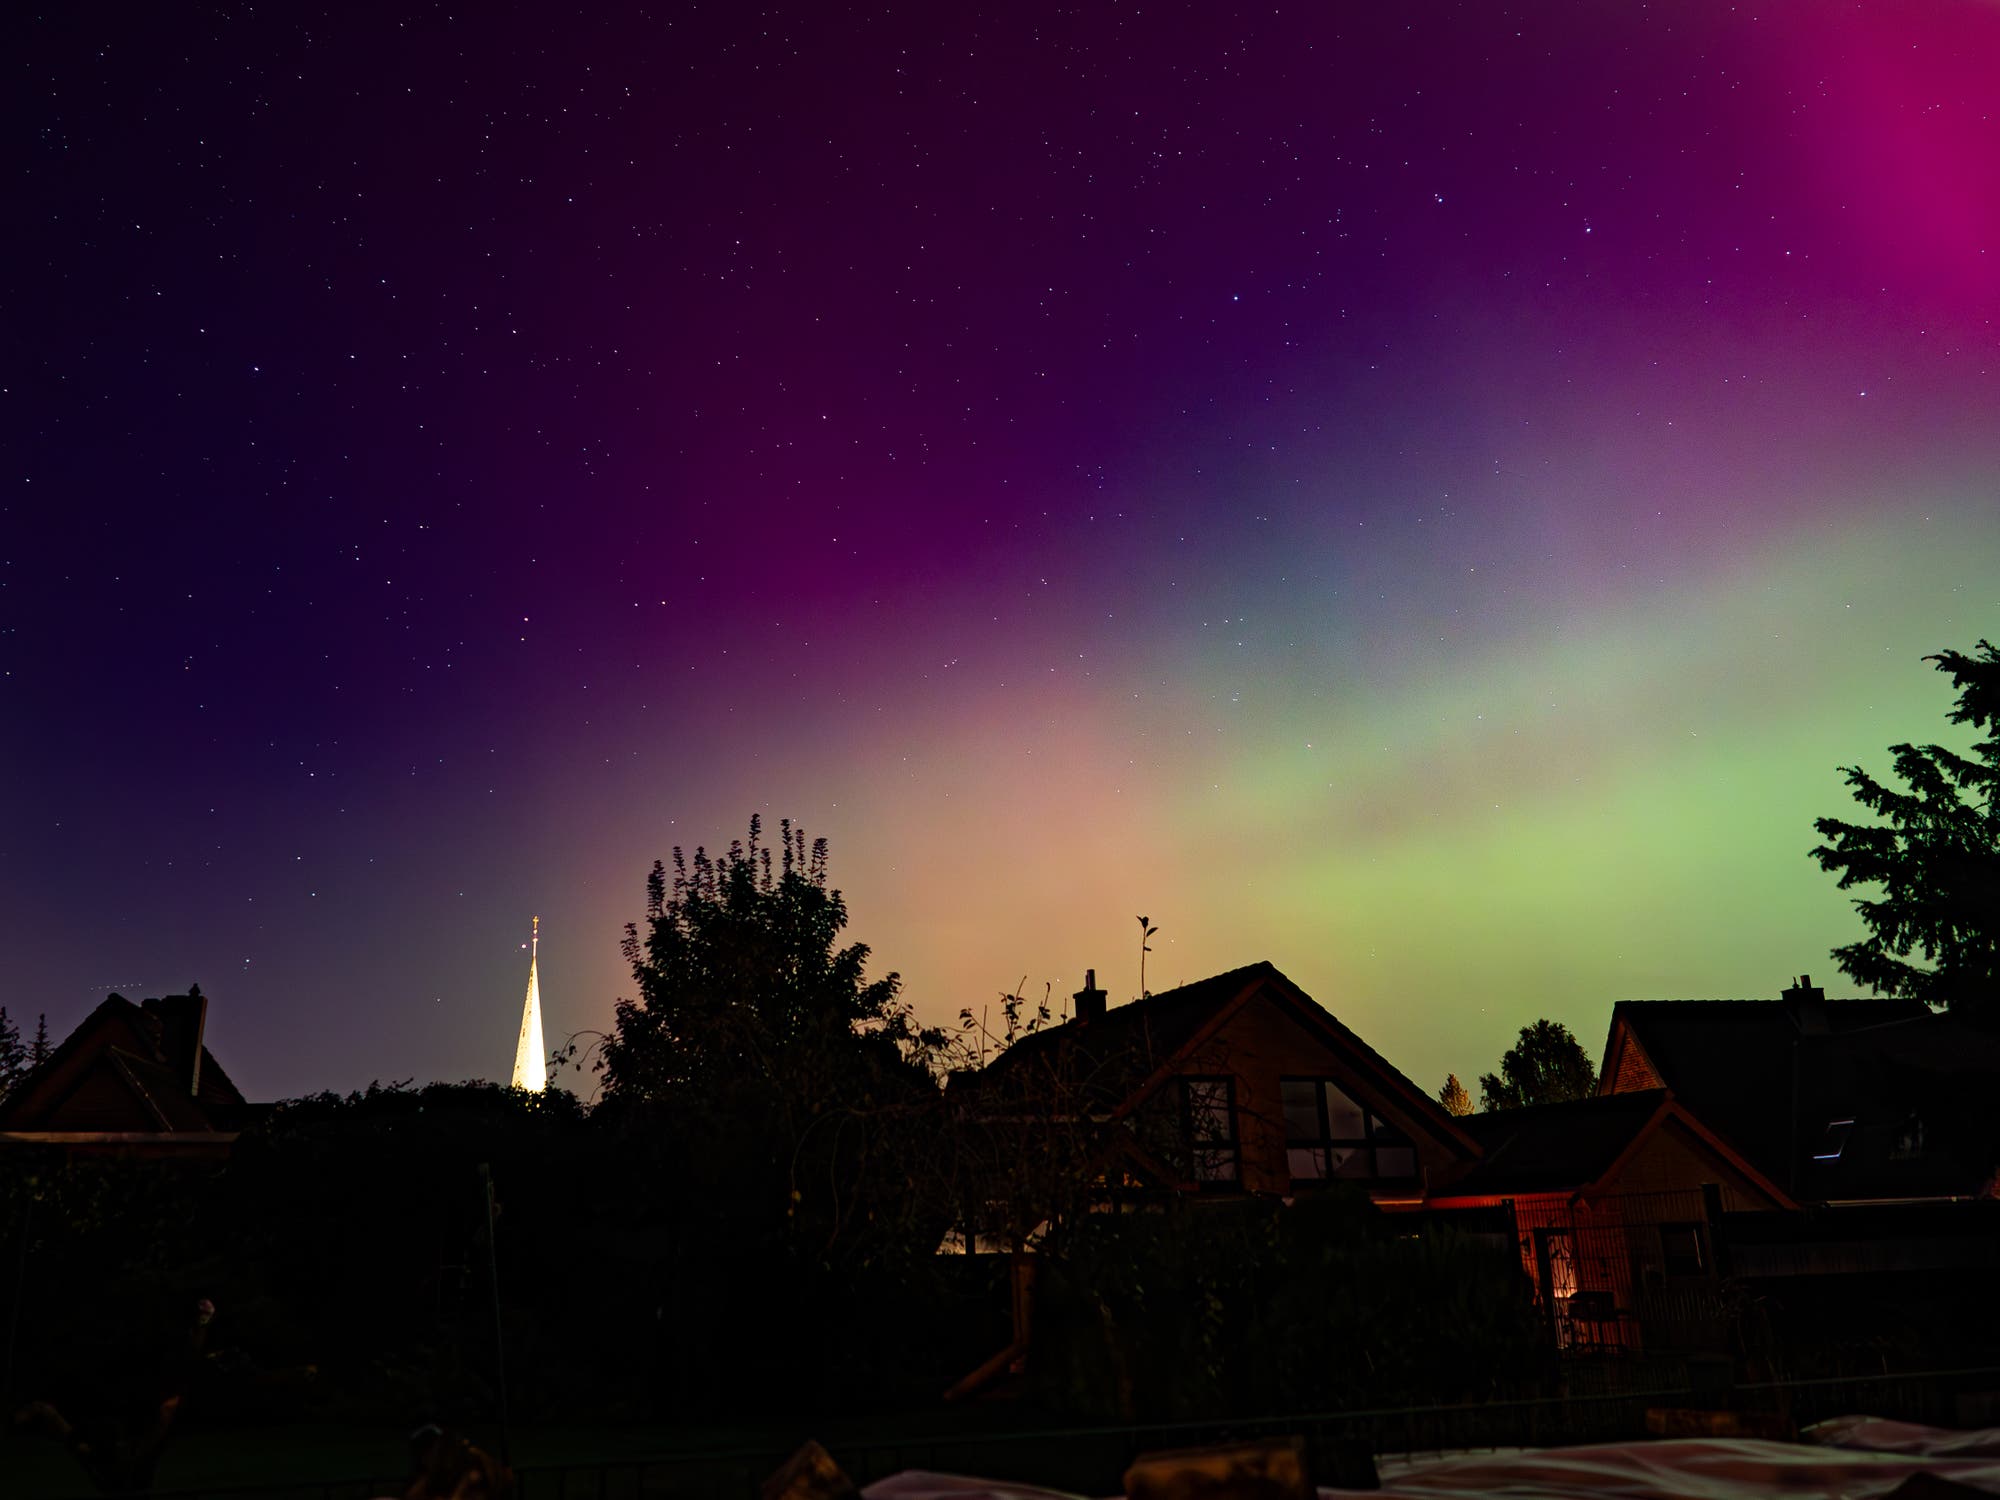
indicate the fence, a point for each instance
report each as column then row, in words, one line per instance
column 1090, row 1460
column 1628, row 1272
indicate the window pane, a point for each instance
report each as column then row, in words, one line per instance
column 1204, row 1093
column 1301, row 1097
column 1215, row 1166
column 1395, row 1161
column 1306, row 1164
column 1349, row 1161
column 1559, row 1258
column 1210, row 1119
column 1344, row 1119
column 1680, row 1249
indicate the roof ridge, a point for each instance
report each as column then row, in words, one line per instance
column 1627, row 1097
column 1141, row 1011
column 1262, row 963
column 1755, row 1000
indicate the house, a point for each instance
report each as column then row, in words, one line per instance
column 1237, row 1084
column 1617, row 1199
column 1838, row 1101
column 1901, row 1113
column 131, row 1080
column 1241, row 1083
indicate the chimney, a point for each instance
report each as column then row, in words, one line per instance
column 1805, row 1003
column 200, row 1003
column 178, row 1023
column 1089, row 999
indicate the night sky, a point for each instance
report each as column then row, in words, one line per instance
column 1425, row 494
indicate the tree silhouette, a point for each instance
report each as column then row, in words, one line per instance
column 13, row 1054
column 39, row 1052
column 1454, row 1097
column 740, row 965
column 1547, row 1066
column 798, row 1086
column 1935, row 854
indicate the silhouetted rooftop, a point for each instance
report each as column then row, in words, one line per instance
column 1729, row 1062
column 1554, row 1147
column 166, row 1079
column 1154, row 1027
column 1117, row 1051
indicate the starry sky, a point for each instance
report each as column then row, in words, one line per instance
column 1428, row 494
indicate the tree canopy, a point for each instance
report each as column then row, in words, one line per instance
column 740, row 972
column 1547, row 1066
column 1934, row 854
column 796, row 1093
column 1453, row 1097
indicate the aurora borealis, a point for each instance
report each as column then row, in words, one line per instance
column 1428, row 495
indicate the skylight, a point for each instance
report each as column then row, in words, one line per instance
column 1834, row 1141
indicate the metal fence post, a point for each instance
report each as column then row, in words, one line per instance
column 493, row 1280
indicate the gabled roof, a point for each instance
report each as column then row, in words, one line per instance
column 1579, row 1145
column 129, row 1068
column 1155, row 1027
column 1132, row 1050
column 1730, row 1061
column 1554, row 1147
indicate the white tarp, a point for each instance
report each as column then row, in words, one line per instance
column 1853, row 1458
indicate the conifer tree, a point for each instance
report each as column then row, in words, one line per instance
column 1453, row 1097
column 1935, row 854
column 39, row 1052
column 13, row 1054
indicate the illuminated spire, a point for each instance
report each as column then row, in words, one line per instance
column 531, row 1059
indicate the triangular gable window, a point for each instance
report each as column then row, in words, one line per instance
column 1328, row 1134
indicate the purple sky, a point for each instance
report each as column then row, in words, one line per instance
column 1425, row 494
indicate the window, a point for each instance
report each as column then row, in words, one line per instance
column 1680, row 1250
column 1555, row 1255
column 1834, row 1141
column 1328, row 1134
column 1208, row 1120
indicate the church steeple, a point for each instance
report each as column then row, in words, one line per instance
column 531, row 1058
